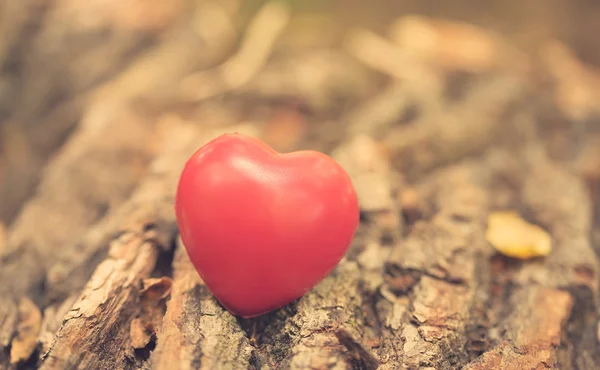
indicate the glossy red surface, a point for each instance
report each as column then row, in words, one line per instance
column 263, row 228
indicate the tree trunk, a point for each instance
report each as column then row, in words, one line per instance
column 94, row 276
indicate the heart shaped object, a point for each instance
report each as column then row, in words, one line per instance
column 262, row 228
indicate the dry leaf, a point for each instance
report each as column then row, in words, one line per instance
column 28, row 329
column 156, row 289
column 152, row 297
column 512, row 236
column 139, row 333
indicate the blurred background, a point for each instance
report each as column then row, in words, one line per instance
column 102, row 101
column 305, row 73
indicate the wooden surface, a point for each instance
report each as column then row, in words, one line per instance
column 435, row 138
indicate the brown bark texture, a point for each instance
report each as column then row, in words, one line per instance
column 439, row 123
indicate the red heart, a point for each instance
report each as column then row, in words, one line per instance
column 262, row 228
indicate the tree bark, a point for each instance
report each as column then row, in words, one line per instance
column 94, row 275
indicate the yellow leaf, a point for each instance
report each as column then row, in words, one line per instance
column 512, row 236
